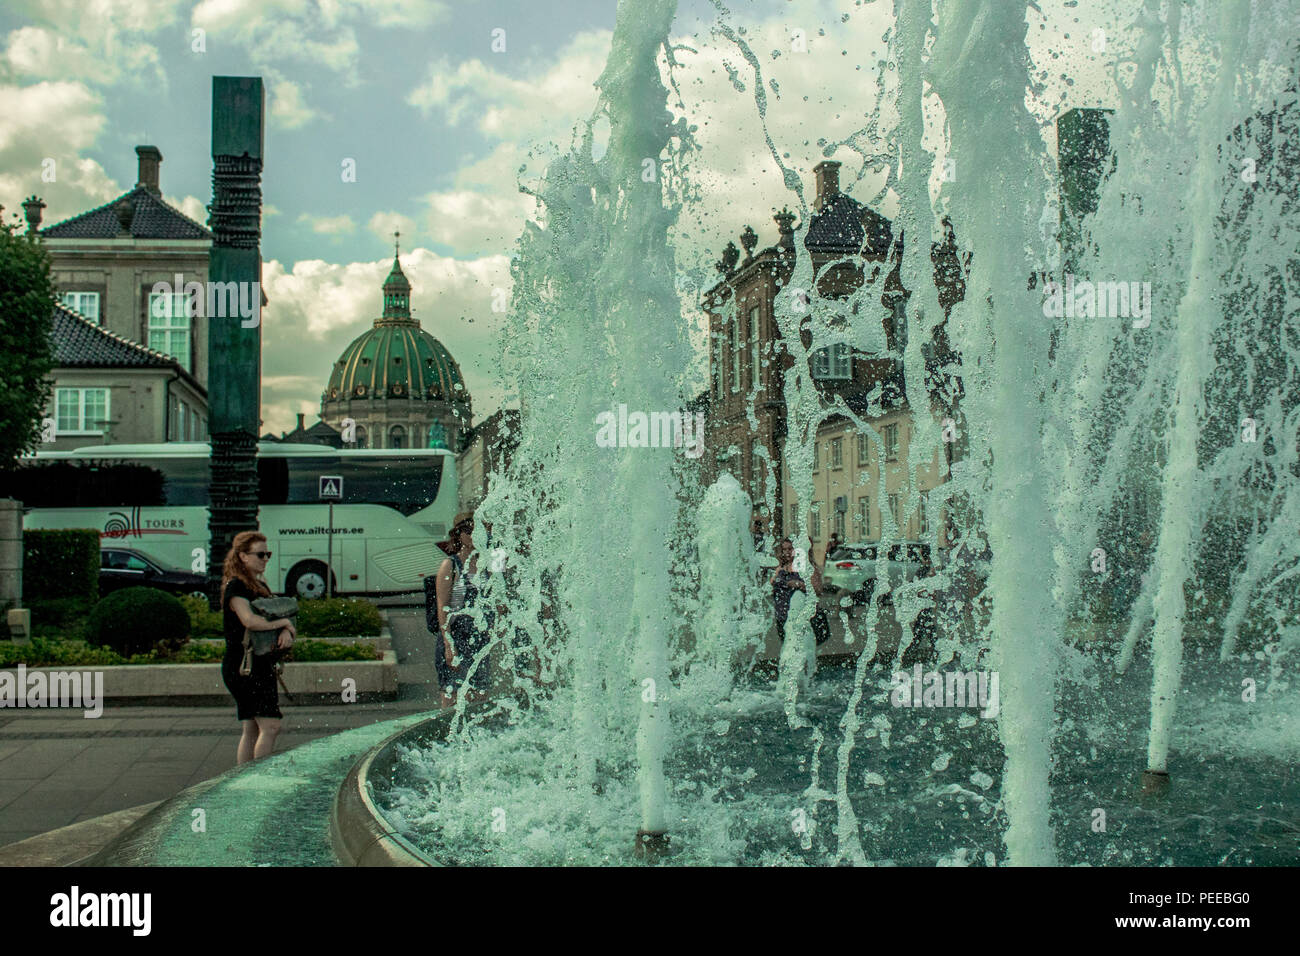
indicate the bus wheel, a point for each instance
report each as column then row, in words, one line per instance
column 307, row 581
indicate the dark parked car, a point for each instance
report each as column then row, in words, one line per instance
column 124, row 568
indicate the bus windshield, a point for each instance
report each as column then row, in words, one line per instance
column 405, row 484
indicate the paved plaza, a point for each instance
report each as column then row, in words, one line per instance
column 58, row 769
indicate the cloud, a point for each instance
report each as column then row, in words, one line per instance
column 39, row 53
column 102, row 42
column 473, row 222
column 288, row 108
column 520, row 108
column 28, row 139
column 329, row 225
column 317, row 308
column 192, row 206
column 384, row 224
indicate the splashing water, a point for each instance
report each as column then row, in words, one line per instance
column 1076, row 434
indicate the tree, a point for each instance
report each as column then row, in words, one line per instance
column 26, row 352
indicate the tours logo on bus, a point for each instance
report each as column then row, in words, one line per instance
column 322, row 530
column 121, row 525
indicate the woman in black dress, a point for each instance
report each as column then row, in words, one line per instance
column 257, row 699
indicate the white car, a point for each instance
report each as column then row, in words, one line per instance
column 852, row 568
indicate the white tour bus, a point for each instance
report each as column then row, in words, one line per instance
column 154, row 499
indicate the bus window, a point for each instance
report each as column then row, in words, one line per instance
column 187, row 480
column 406, row 485
column 272, row 481
column 86, row 484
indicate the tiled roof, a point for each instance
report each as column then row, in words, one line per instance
column 844, row 224
column 152, row 219
column 80, row 343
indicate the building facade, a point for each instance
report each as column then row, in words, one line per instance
column 107, row 261
column 848, row 245
column 487, row 450
column 108, row 389
column 397, row 383
column 131, row 365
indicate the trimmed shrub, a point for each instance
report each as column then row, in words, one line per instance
column 43, row 652
column 60, row 617
column 305, row 652
column 338, row 617
column 135, row 620
column 61, row 564
column 204, row 622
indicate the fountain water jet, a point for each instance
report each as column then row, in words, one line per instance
column 571, row 296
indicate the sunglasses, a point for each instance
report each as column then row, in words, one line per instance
column 264, row 555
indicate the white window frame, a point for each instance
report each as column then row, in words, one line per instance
column 755, row 367
column 838, row 524
column 178, row 321
column 922, row 514
column 76, row 301
column 891, row 442
column 715, row 365
column 864, row 518
column 833, row 362
column 733, row 334
column 817, row 458
column 81, row 428
column 836, row 453
column 864, row 449
column 895, row 510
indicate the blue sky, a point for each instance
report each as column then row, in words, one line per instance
column 438, row 124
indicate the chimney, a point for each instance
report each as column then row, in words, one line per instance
column 300, row 421
column 828, row 182
column 150, row 160
column 32, row 207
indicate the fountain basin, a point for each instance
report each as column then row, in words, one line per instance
column 923, row 784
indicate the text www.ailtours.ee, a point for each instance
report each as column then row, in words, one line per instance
column 322, row 530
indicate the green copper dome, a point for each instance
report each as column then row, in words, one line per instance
column 396, row 358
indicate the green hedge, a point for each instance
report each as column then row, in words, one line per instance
column 134, row 620
column 338, row 617
column 60, row 617
column 203, row 621
column 324, row 617
column 43, row 652
column 60, row 564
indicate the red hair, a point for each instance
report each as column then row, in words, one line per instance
column 234, row 567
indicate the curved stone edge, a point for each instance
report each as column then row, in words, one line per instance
column 132, row 846
column 359, row 833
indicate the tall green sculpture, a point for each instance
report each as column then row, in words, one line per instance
column 234, row 341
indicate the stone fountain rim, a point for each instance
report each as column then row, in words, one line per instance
column 359, row 832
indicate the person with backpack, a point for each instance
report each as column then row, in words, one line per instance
column 454, row 590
